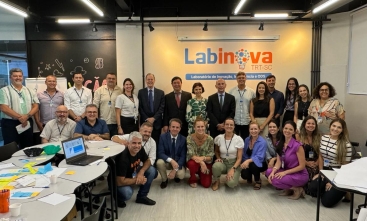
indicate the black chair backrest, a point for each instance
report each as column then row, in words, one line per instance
column 8, row 150
column 98, row 215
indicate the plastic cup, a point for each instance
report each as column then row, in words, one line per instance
column 15, row 209
column 53, row 179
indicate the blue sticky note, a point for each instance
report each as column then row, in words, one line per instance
column 17, row 194
column 45, row 169
column 26, row 194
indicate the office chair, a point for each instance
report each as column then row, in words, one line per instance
column 8, row 150
column 98, row 215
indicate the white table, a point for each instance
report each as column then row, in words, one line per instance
column 106, row 148
column 40, row 211
column 18, row 161
column 83, row 174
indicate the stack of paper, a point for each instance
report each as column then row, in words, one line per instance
column 353, row 174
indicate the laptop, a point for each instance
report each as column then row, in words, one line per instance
column 75, row 152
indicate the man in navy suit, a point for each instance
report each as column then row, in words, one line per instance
column 172, row 150
column 151, row 106
column 175, row 106
column 220, row 106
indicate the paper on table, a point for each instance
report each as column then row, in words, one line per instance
column 21, row 129
column 3, row 166
column 56, row 171
column 362, row 215
column 26, row 180
column 54, row 199
column 42, row 181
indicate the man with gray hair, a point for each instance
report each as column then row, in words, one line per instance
column 17, row 105
column 92, row 128
column 133, row 167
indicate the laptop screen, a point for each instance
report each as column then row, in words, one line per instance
column 73, row 147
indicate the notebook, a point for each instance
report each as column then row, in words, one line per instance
column 75, row 152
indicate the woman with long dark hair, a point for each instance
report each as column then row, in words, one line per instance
column 272, row 139
column 291, row 93
column 301, row 106
column 262, row 107
column 289, row 172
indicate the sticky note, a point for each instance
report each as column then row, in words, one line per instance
column 70, row 172
column 41, row 158
column 35, row 194
column 6, row 187
column 107, row 148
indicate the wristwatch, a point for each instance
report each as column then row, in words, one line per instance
column 234, row 168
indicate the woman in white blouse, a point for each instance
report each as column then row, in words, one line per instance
column 127, row 106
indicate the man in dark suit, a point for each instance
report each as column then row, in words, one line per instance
column 175, row 106
column 220, row 106
column 172, row 153
column 151, row 106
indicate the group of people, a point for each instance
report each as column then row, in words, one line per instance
column 236, row 133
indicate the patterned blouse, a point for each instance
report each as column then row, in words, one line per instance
column 332, row 106
column 195, row 108
column 207, row 149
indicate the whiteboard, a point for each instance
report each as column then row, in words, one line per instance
column 38, row 85
column 357, row 77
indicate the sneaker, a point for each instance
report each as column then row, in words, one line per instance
column 145, row 200
column 121, row 204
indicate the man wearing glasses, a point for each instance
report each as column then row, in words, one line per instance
column 92, row 128
column 59, row 129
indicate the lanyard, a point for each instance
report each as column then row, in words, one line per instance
column 110, row 94
column 241, row 95
column 227, row 147
column 19, row 93
column 50, row 96
column 60, row 131
column 145, row 143
column 80, row 96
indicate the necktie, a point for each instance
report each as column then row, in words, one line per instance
column 151, row 101
column 173, row 148
column 178, row 99
column 221, row 100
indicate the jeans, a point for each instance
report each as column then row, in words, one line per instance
column 124, row 193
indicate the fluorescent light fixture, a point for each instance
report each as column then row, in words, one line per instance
column 13, row 9
column 73, row 21
column 230, row 38
column 323, row 6
column 93, row 6
column 239, row 6
column 271, row 15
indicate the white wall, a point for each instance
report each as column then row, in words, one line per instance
column 11, row 26
column 334, row 69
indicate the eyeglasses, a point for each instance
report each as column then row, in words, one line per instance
column 61, row 112
column 92, row 112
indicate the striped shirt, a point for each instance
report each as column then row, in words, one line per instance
column 328, row 150
column 19, row 101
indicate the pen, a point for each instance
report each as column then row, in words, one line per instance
column 102, row 147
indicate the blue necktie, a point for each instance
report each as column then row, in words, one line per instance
column 173, row 148
column 151, row 105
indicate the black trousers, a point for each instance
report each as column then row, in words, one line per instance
column 328, row 198
column 288, row 115
column 128, row 124
column 242, row 131
column 156, row 134
column 246, row 174
column 113, row 129
column 10, row 133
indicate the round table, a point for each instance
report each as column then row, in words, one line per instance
column 19, row 160
column 83, row 174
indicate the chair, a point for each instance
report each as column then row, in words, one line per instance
column 98, row 215
column 8, row 150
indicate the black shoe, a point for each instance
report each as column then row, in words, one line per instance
column 145, row 200
column 177, row 180
column 121, row 204
column 164, row 184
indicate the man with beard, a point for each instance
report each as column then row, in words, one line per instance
column 148, row 143
column 17, row 105
column 59, row 129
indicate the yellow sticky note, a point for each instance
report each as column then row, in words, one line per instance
column 107, row 148
column 70, row 172
column 6, row 187
column 35, row 194
column 30, row 168
column 41, row 158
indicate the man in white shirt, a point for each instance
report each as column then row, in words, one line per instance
column 105, row 98
column 77, row 97
column 59, row 129
column 148, row 143
column 17, row 105
column 243, row 96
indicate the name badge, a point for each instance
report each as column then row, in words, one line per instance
column 310, row 154
column 326, row 163
column 134, row 174
column 21, row 100
column 319, row 119
column 109, row 103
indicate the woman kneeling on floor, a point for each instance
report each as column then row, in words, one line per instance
column 228, row 150
column 253, row 156
column 289, row 172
